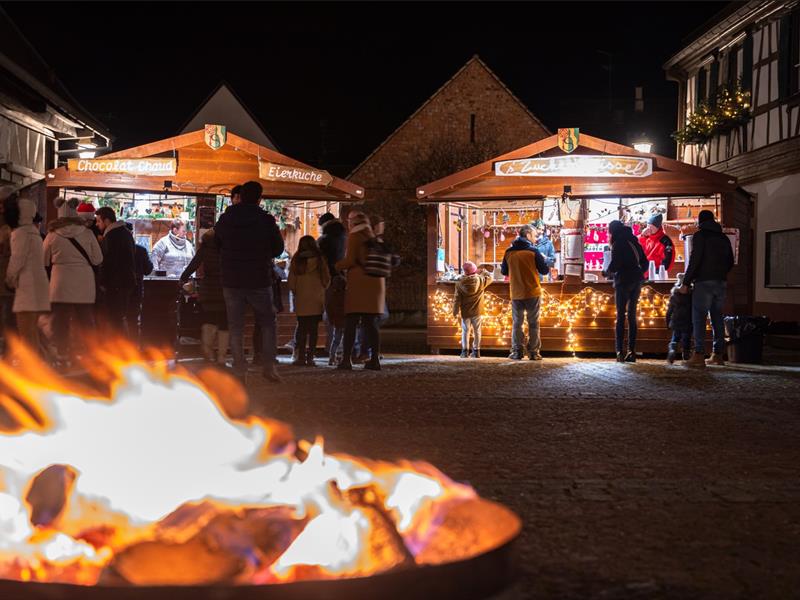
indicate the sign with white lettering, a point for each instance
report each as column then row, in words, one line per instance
column 275, row 172
column 576, row 166
column 156, row 167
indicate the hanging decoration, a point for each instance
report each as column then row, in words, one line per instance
column 731, row 109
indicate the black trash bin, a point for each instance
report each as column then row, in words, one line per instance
column 745, row 338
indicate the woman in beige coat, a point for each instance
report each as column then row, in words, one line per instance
column 72, row 278
column 365, row 297
column 26, row 274
column 308, row 279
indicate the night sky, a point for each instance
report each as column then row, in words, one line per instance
column 330, row 81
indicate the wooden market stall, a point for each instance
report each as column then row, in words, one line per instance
column 570, row 185
column 190, row 176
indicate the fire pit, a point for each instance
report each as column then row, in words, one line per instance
column 150, row 481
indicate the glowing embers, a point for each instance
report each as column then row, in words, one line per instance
column 143, row 476
column 567, row 312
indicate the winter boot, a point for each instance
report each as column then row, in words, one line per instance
column 223, row 337
column 476, row 353
column 464, row 353
column 207, row 334
column 716, row 359
column 310, row 358
column 630, row 357
column 697, row 361
column 620, row 357
column 671, row 355
column 373, row 364
column 516, row 354
column 535, row 355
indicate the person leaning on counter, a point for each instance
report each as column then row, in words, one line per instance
column 173, row 252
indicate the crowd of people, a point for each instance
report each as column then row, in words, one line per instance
column 88, row 270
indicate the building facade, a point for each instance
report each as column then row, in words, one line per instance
column 471, row 118
column 41, row 124
column 739, row 113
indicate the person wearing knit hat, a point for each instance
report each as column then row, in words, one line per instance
column 85, row 210
column 468, row 305
column 657, row 245
column 710, row 262
column 26, row 273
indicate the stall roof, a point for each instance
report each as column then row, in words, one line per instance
column 669, row 177
column 202, row 170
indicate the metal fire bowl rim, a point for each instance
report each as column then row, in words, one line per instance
column 473, row 577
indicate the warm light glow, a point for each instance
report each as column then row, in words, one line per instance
column 644, row 147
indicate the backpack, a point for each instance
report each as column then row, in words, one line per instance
column 380, row 260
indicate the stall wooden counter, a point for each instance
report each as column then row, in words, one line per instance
column 570, row 186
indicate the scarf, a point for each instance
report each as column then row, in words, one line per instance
column 178, row 242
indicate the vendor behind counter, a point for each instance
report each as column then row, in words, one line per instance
column 173, row 252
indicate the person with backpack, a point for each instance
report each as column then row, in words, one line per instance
column 308, row 279
column 365, row 296
column 72, row 253
column 709, row 264
column 628, row 263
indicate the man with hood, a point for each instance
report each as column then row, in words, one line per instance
column 332, row 243
column 628, row 262
column 545, row 246
column 523, row 264
column 118, row 272
column 72, row 252
column 656, row 244
column 249, row 239
column 709, row 263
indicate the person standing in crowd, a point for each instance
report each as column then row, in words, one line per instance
column 709, row 264
column 545, row 247
column 309, row 277
column 365, row 296
column 628, row 262
column 468, row 304
column 656, row 244
column 73, row 255
column 332, row 244
column 143, row 267
column 249, row 239
column 679, row 320
column 212, row 301
column 6, row 293
column 86, row 211
column 523, row 264
column 25, row 272
column 118, row 271
column 173, row 252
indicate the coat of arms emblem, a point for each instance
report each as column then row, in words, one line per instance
column 215, row 136
column 568, row 139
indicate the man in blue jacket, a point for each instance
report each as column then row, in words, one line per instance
column 249, row 239
column 709, row 264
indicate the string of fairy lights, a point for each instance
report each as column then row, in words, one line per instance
column 566, row 311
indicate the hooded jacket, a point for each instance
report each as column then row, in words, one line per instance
column 118, row 271
column 172, row 254
column 545, row 246
column 332, row 242
column 309, row 286
column 712, row 255
column 72, row 278
column 658, row 248
column 249, row 239
column 210, row 285
column 25, row 271
column 523, row 264
column 468, row 299
column 679, row 311
column 628, row 260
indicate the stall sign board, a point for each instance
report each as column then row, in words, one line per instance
column 275, row 172
column 576, row 166
column 155, row 167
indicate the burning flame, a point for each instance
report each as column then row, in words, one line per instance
column 148, row 464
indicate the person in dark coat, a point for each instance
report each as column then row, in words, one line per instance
column 118, row 272
column 144, row 266
column 709, row 263
column 679, row 320
column 332, row 243
column 628, row 262
column 249, row 239
column 212, row 301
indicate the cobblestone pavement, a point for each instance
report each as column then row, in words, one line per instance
column 633, row 481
